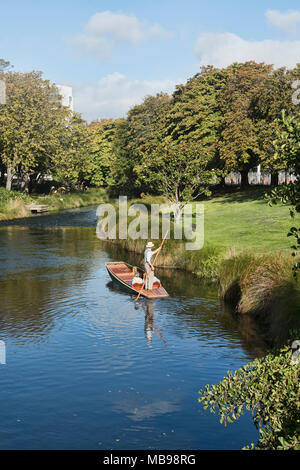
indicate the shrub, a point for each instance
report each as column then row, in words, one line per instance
column 269, row 388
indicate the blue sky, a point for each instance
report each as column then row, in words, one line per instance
column 113, row 53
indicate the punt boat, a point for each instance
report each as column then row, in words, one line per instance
column 123, row 274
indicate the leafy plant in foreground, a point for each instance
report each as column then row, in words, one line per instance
column 269, row 388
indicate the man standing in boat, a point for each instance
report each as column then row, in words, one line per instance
column 149, row 268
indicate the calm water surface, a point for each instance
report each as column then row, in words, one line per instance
column 87, row 368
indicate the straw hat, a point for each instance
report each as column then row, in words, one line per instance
column 149, row 245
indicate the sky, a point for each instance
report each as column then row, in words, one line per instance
column 114, row 53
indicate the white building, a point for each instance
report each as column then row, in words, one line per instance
column 67, row 95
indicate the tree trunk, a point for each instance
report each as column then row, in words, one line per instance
column 9, row 177
column 244, row 179
column 2, row 176
column 275, row 179
column 222, row 182
column 28, row 182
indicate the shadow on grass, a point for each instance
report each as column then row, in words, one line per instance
column 236, row 194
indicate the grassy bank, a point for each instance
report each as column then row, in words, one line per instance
column 247, row 252
column 244, row 221
column 14, row 204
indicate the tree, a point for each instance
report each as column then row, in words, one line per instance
column 30, row 125
column 240, row 145
column 144, row 124
column 4, row 65
column 287, row 153
column 276, row 95
column 144, row 133
column 194, row 113
column 72, row 164
column 123, row 161
column 179, row 171
column 102, row 134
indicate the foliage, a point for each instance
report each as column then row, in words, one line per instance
column 269, row 388
column 38, row 135
column 144, row 124
column 221, row 119
column 287, row 151
column 72, row 165
column 240, row 145
column 194, row 114
column 102, row 134
column 228, row 114
column 180, row 170
column 6, row 196
column 14, row 204
column 30, row 123
column 123, row 161
column 136, row 137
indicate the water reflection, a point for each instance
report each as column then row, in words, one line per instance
column 150, row 326
column 147, row 305
column 40, row 272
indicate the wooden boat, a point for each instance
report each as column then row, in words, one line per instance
column 123, row 273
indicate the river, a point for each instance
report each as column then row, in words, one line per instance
column 88, row 368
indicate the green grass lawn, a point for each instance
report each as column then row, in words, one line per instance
column 245, row 221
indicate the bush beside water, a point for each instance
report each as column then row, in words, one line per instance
column 14, row 204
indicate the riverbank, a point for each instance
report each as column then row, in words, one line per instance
column 15, row 204
column 247, row 253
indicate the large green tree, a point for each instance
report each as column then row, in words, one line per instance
column 39, row 136
column 287, row 152
column 72, row 164
column 180, row 172
column 275, row 96
column 194, row 114
column 30, row 125
column 102, row 134
column 240, row 146
column 135, row 138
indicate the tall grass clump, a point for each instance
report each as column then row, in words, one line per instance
column 263, row 286
column 231, row 272
column 13, row 204
column 272, row 295
column 205, row 263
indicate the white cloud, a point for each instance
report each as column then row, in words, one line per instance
column 112, row 96
column 287, row 21
column 222, row 49
column 106, row 30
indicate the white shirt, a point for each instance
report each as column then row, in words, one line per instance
column 148, row 255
